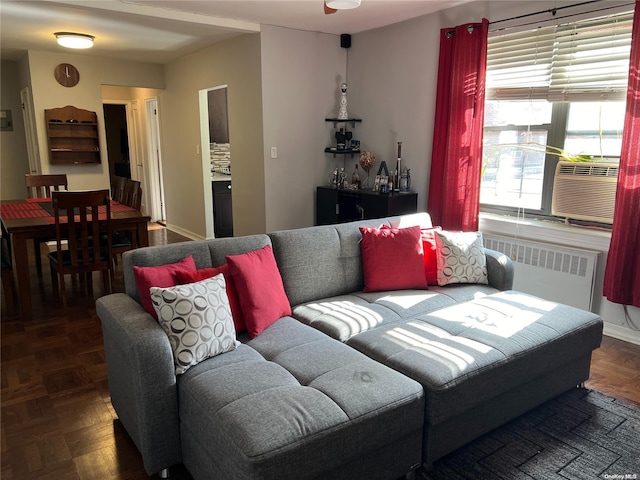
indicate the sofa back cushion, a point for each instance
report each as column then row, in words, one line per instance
column 205, row 253
column 325, row 261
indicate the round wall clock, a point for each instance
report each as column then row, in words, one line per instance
column 67, row 75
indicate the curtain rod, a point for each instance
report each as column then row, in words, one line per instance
column 553, row 12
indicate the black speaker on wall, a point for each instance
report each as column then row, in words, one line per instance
column 345, row 40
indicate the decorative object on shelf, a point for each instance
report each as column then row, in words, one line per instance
column 348, row 136
column 355, row 179
column 341, row 141
column 345, row 145
column 66, row 75
column 404, row 180
column 342, row 182
column 398, row 167
column 382, row 178
column 342, row 111
column 333, row 178
column 367, row 160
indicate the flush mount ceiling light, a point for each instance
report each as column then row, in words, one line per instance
column 342, row 4
column 74, row 40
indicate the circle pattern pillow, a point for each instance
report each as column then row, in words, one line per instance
column 461, row 257
column 197, row 319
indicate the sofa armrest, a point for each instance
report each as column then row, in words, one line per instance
column 142, row 380
column 499, row 270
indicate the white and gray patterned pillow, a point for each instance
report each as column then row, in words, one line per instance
column 197, row 319
column 461, row 257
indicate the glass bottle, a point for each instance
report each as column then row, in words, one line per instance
column 355, row 178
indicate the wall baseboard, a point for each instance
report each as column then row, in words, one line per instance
column 184, row 233
column 621, row 333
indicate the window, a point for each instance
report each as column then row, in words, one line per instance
column 551, row 91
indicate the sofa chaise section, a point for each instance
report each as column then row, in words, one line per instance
column 485, row 361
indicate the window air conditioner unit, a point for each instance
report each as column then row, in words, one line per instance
column 585, row 191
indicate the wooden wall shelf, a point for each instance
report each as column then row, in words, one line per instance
column 73, row 136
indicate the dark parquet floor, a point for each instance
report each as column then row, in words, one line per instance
column 57, row 418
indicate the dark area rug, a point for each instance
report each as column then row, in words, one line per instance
column 581, row 434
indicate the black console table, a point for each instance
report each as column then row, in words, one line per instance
column 341, row 205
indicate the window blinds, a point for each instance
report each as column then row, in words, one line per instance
column 581, row 61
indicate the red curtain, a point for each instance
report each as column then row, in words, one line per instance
column 456, row 162
column 622, row 275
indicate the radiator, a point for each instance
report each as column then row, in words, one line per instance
column 553, row 272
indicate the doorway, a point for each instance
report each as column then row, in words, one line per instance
column 216, row 161
column 117, row 133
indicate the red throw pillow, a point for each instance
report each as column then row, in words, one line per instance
column 160, row 276
column 430, row 254
column 183, row 276
column 260, row 289
column 392, row 259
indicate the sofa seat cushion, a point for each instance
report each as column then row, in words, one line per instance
column 344, row 316
column 471, row 352
column 293, row 402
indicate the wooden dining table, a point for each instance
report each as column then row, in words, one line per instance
column 33, row 218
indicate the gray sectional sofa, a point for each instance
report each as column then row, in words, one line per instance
column 353, row 384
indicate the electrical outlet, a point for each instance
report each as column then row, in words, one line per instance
column 274, row 152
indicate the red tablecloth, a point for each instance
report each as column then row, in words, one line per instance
column 43, row 208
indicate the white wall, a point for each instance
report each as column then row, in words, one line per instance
column 236, row 63
column 392, row 87
column 94, row 72
column 13, row 148
column 301, row 76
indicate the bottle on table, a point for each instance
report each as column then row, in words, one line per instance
column 355, row 178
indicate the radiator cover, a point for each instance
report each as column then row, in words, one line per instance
column 553, row 272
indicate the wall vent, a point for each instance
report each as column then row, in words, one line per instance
column 585, row 191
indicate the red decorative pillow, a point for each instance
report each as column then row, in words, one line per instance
column 392, row 259
column 160, row 276
column 260, row 290
column 183, row 276
column 430, row 254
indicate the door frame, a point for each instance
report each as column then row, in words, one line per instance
column 205, row 154
column 30, row 131
column 155, row 184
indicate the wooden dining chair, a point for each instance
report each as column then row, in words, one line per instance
column 78, row 220
column 132, row 194
column 41, row 186
column 117, row 188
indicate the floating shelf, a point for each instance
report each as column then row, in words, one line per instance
column 336, row 121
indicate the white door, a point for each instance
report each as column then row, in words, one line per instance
column 30, row 131
column 154, row 162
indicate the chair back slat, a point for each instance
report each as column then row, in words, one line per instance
column 41, row 186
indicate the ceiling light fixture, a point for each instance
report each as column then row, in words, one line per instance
column 343, row 4
column 74, row 40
